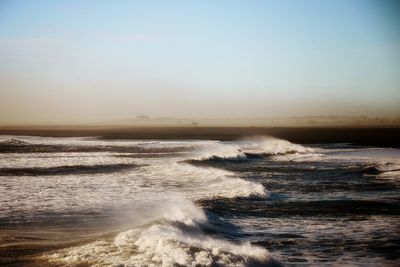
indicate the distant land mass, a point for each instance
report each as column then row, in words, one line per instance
column 295, row 121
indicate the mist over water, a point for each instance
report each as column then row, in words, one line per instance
column 259, row 201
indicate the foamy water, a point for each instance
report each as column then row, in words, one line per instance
column 199, row 203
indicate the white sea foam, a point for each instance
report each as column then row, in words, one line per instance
column 175, row 238
column 28, row 195
column 274, row 146
column 199, row 182
column 92, row 141
column 212, row 150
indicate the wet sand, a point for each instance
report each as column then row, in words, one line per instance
column 365, row 136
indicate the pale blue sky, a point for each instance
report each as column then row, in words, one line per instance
column 85, row 61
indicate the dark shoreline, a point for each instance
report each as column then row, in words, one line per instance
column 363, row 136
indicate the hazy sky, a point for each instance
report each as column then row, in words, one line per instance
column 100, row 61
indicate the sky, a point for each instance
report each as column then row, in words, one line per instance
column 77, row 62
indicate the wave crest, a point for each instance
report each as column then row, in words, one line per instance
column 14, row 142
column 204, row 182
column 219, row 151
column 253, row 148
column 169, row 241
column 271, row 146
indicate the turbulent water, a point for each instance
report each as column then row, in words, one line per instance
column 259, row 201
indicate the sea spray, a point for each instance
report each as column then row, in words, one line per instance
column 174, row 238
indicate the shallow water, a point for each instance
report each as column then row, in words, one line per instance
column 254, row 202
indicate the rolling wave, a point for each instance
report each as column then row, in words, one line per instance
column 218, row 151
column 202, row 182
column 253, row 148
column 13, row 142
column 271, row 146
column 53, row 145
column 175, row 238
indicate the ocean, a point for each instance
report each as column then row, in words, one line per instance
column 257, row 201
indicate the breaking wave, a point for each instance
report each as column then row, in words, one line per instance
column 201, row 182
column 175, row 238
column 253, row 148
column 271, row 146
column 219, row 151
column 171, row 229
column 13, row 142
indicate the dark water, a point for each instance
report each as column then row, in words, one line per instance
column 317, row 213
column 258, row 202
